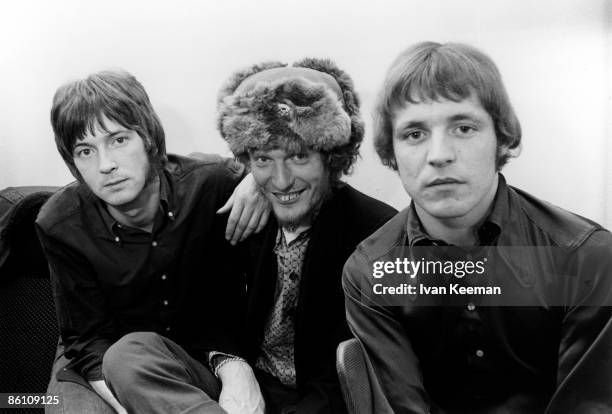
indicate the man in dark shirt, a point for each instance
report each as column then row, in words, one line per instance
column 145, row 284
column 298, row 128
column 543, row 341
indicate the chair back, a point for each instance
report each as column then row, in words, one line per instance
column 28, row 323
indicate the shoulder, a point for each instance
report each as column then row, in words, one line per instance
column 379, row 244
column 201, row 168
column 385, row 238
column 362, row 210
column 563, row 227
column 62, row 207
column 208, row 176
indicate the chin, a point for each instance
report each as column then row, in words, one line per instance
column 291, row 217
column 118, row 200
column 446, row 209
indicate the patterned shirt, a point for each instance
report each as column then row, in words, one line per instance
column 277, row 350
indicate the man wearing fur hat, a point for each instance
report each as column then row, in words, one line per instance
column 540, row 342
column 298, row 128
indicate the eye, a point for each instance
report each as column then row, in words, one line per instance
column 261, row 161
column 300, row 158
column 83, row 153
column 120, row 140
column 413, row 136
column 465, row 130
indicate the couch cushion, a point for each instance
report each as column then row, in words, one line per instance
column 20, row 251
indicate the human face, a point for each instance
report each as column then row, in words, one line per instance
column 445, row 153
column 294, row 183
column 114, row 165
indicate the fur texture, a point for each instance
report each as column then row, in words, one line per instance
column 289, row 109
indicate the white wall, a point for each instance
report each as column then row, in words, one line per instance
column 555, row 56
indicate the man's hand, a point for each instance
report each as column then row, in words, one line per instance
column 103, row 391
column 240, row 393
column 250, row 211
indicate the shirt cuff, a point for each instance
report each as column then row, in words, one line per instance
column 216, row 359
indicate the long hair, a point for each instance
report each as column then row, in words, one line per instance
column 80, row 106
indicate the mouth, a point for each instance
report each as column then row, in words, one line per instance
column 444, row 181
column 288, row 198
column 114, row 183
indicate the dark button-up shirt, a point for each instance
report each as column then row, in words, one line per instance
column 552, row 353
column 181, row 280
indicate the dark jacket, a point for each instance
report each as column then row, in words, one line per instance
column 345, row 219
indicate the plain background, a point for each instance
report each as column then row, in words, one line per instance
column 555, row 57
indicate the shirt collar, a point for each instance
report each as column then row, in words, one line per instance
column 488, row 232
column 281, row 242
column 165, row 206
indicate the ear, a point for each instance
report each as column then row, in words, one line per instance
column 148, row 144
column 393, row 164
column 503, row 150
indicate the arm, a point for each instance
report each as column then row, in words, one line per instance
column 385, row 342
column 585, row 351
column 103, row 391
column 83, row 322
column 249, row 209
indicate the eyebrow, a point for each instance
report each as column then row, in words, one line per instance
column 466, row 115
column 80, row 143
column 409, row 124
column 453, row 118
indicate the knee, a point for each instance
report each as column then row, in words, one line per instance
column 123, row 360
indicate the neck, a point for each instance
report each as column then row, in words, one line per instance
column 139, row 213
column 292, row 233
column 463, row 230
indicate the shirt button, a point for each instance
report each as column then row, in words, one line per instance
column 170, row 214
column 164, row 277
column 479, row 353
column 117, row 239
column 154, row 244
column 471, row 307
column 165, row 303
column 167, row 329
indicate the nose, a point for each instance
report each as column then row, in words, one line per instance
column 106, row 162
column 282, row 178
column 441, row 149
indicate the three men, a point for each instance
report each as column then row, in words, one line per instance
column 298, row 128
column 445, row 124
column 146, row 286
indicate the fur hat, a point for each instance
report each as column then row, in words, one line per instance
column 311, row 103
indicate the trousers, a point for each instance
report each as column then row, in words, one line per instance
column 149, row 373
